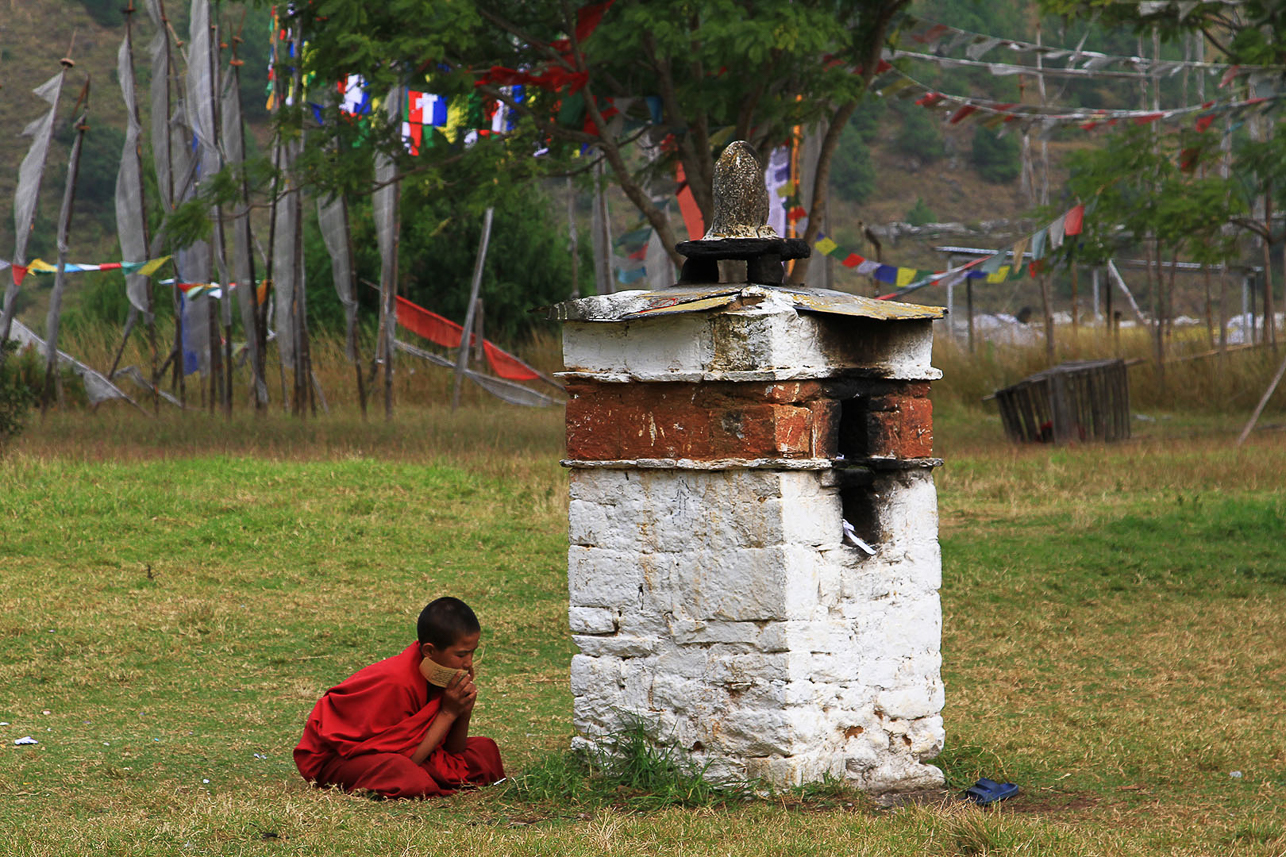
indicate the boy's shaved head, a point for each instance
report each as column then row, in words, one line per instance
column 444, row 621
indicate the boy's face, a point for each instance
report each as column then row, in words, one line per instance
column 458, row 655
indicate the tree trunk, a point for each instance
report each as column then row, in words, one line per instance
column 821, row 185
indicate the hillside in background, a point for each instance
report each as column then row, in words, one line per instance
column 34, row 36
column 899, row 162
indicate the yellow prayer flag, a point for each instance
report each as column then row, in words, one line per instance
column 826, row 246
column 1002, row 273
column 40, row 266
column 153, row 266
column 457, row 119
column 905, row 277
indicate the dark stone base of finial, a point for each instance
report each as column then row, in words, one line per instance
column 763, row 258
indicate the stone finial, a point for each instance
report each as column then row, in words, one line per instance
column 740, row 196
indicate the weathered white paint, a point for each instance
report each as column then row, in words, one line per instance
column 719, row 607
column 768, row 340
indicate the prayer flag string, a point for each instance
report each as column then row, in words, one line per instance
column 990, row 269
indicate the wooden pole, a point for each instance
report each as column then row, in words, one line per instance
column 571, row 232
column 52, row 379
column 479, row 353
column 1263, row 402
column 168, row 198
column 1076, row 306
column 1046, row 301
column 1270, row 313
column 462, row 353
column 1107, row 304
column 388, row 284
column 142, row 197
column 250, row 291
column 225, row 301
column 216, row 362
column 353, row 344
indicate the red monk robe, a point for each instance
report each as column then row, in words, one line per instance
column 362, row 733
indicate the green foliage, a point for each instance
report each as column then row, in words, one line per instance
column 100, row 155
column 852, row 172
column 1138, row 188
column 632, row 770
column 1258, row 29
column 106, row 13
column 102, row 299
column 868, row 118
column 996, row 158
column 17, row 392
column 252, row 75
column 528, row 263
column 698, row 55
column 920, row 213
column 920, row 135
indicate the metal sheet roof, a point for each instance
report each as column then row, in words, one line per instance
column 629, row 306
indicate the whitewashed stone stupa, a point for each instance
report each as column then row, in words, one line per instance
column 753, row 564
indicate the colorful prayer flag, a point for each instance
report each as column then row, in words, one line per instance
column 1038, row 244
column 1075, row 219
column 355, row 100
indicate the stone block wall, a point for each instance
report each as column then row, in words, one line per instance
column 713, row 598
column 722, row 609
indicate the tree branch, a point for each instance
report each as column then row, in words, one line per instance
column 821, row 181
column 611, row 150
column 526, row 38
column 688, row 156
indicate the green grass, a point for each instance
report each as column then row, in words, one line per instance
column 177, row 595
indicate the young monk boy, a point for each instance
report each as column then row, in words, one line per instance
column 386, row 729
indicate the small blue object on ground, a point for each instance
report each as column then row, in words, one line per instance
column 987, row 791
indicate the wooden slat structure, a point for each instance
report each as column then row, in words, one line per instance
column 1080, row 401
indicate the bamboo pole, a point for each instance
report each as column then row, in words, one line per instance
column 389, row 268
column 221, row 244
column 353, row 344
column 142, row 196
column 572, row 237
column 52, row 379
column 167, row 193
column 257, row 332
column 462, row 354
column 1263, row 402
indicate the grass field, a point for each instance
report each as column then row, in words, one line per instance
column 176, row 595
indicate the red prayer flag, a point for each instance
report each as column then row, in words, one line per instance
column 1147, row 119
column 430, row 325
column 442, row 331
column 688, row 207
column 962, row 113
column 506, row 365
column 852, row 260
column 930, row 35
column 19, row 272
column 1074, row 219
column 588, row 18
